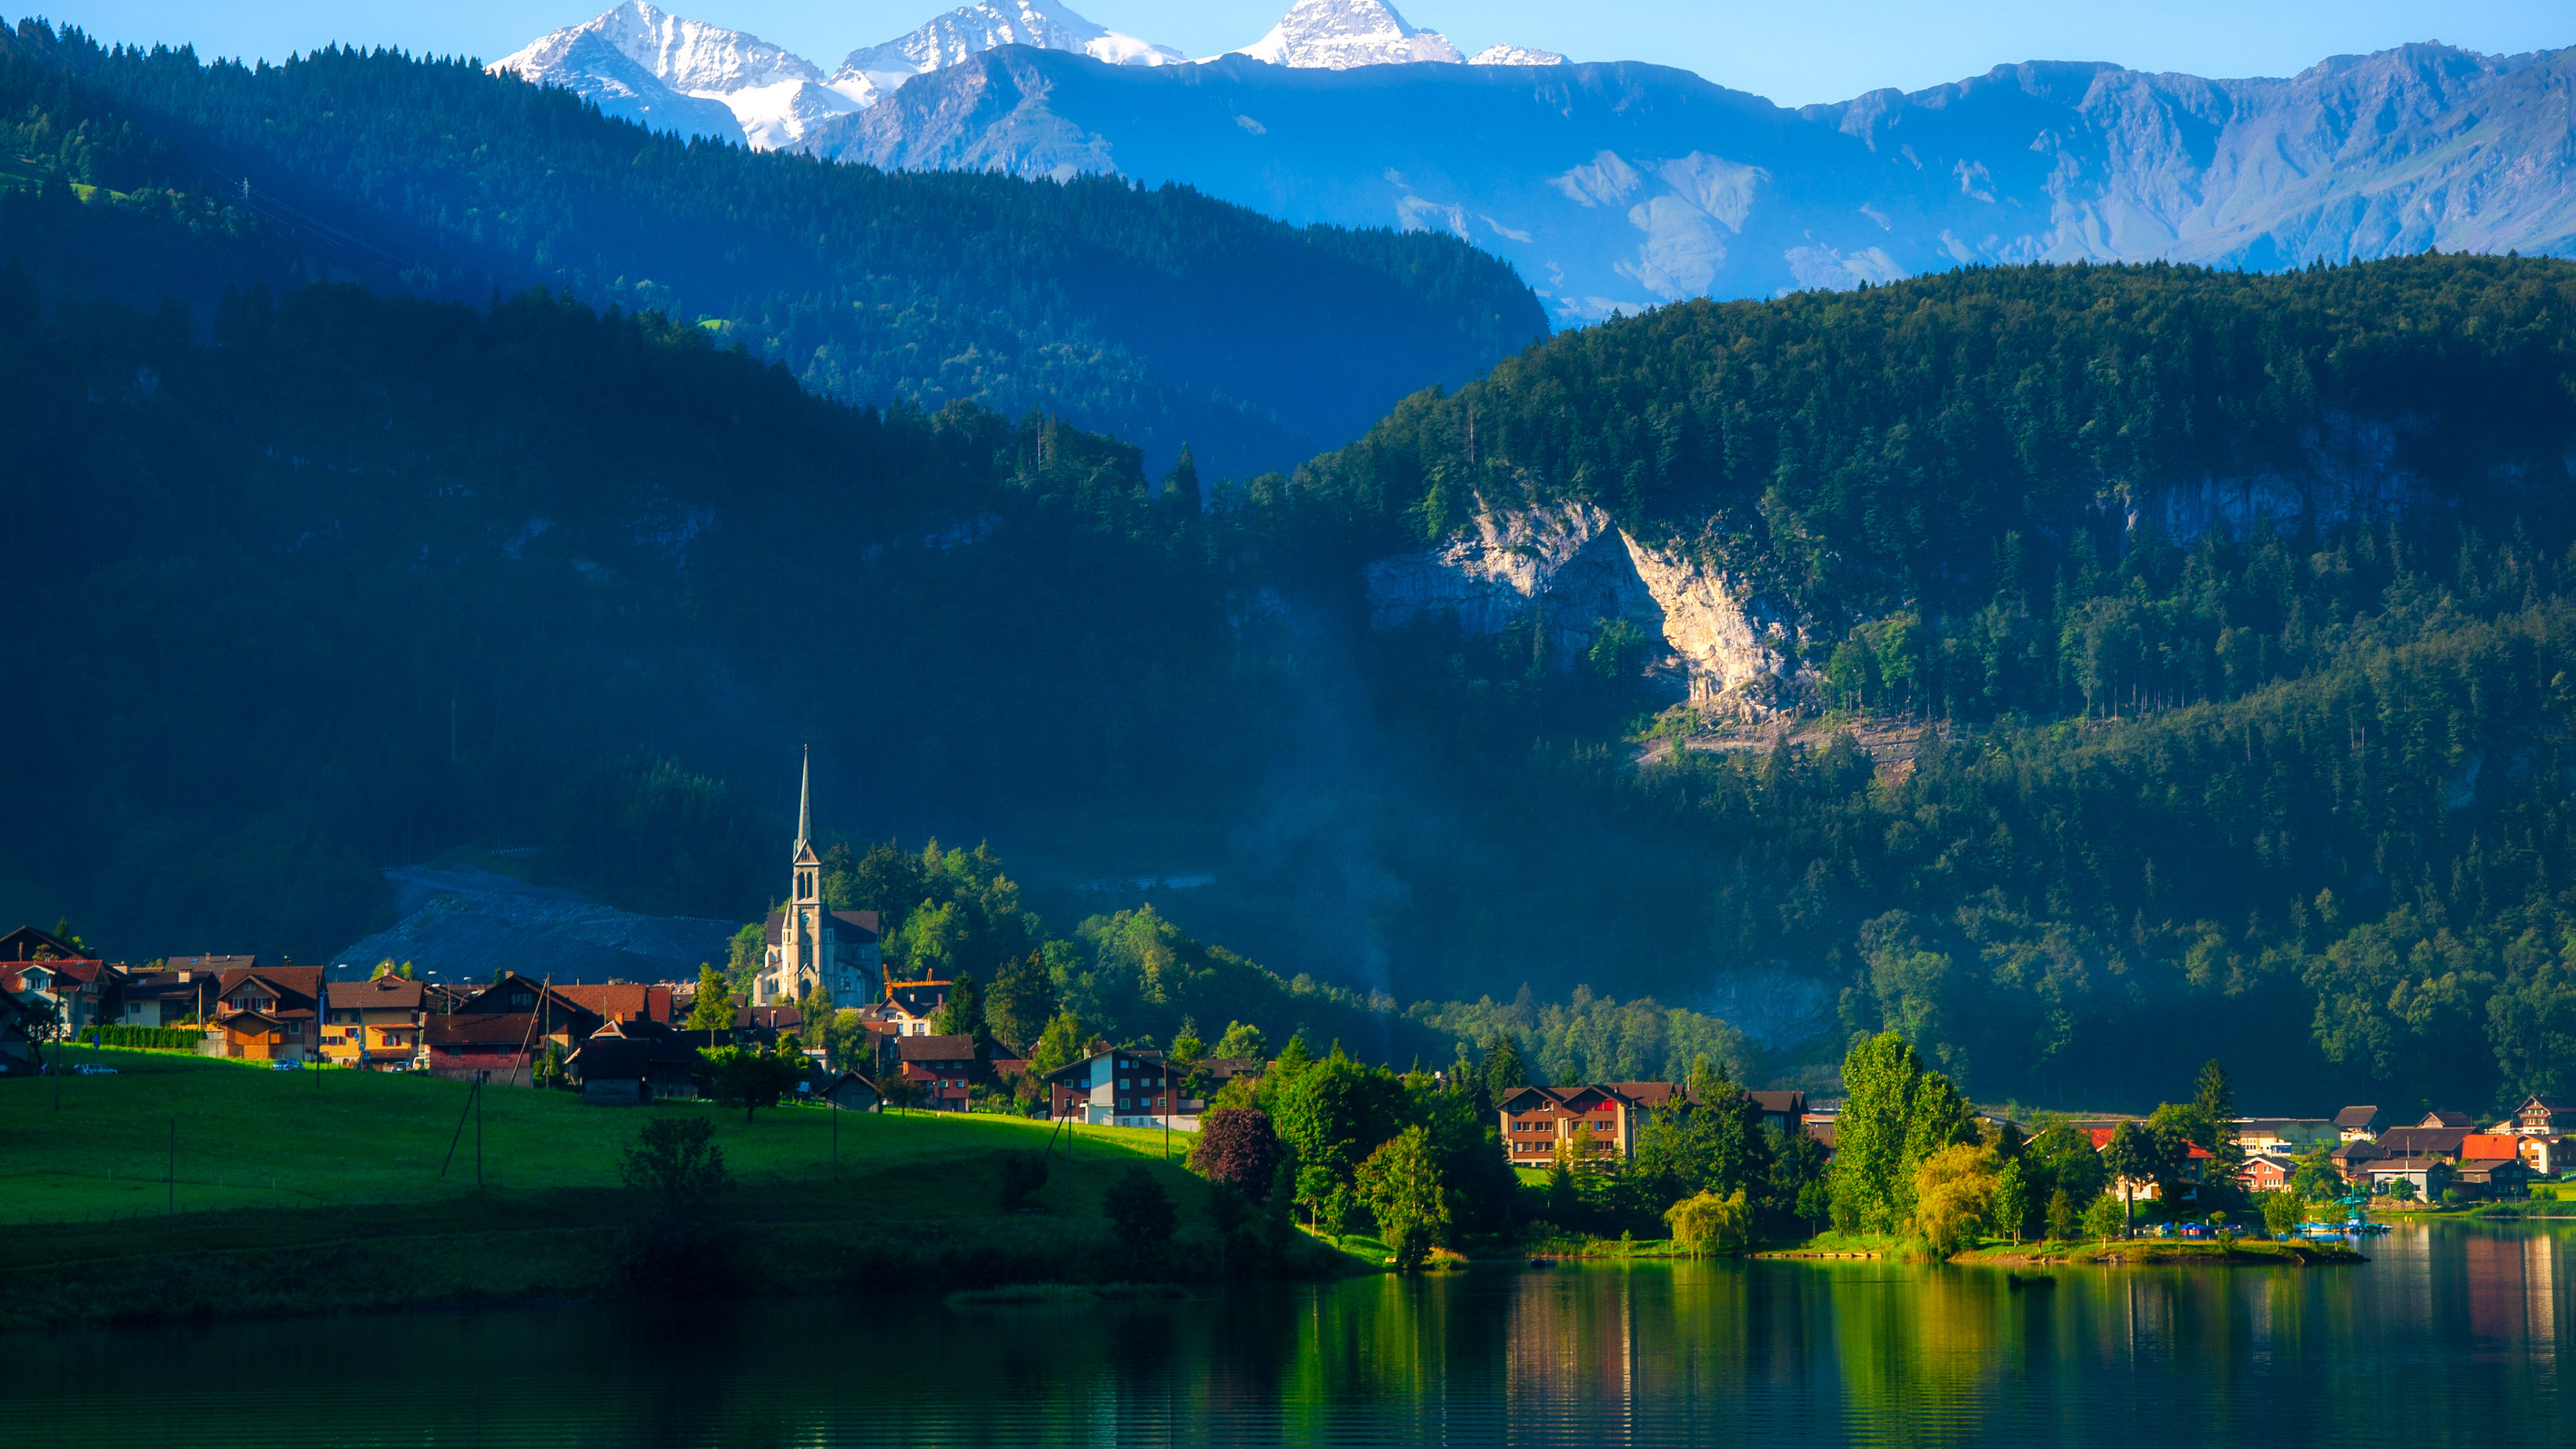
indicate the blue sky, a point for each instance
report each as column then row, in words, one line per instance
column 1792, row 53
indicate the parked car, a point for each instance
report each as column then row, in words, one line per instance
column 286, row 1066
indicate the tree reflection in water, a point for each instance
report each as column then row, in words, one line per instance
column 2468, row 1316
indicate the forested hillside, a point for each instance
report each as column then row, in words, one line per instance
column 1160, row 316
column 2293, row 790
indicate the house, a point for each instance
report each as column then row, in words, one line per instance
column 621, row 1001
column 374, row 1024
column 60, row 974
column 2489, row 1145
column 2440, row 1120
column 1782, row 1112
column 1113, row 1087
column 2545, row 1156
column 811, row 949
column 2267, row 1172
column 2357, row 1124
column 627, row 1064
column 2544, row 1116
column 2427, row 1175
column 940, row 1069
column 1604, row 1119
column 2353, row 1159
column 266, row 1013
column 166, row 997
column 462, row 1045
column 2285, row 1136
column 2423, row 1142
column 764, row 1025
column 851, row 1092
column 2494, row 1178
column 909, row 1006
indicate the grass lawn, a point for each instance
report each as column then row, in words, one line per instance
column 305, row 1190
column 251, row 1137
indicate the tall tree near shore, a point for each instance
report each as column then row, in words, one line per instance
column 1896, row 1116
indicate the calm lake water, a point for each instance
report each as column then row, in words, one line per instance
column 2453, row 1334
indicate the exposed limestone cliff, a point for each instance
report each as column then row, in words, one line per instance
column 1572, row 568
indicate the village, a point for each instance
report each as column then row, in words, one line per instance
column 628, row 1044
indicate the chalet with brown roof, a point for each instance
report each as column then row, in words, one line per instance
column 2540, row 1116
column 167, row 997
column 374, row 1024
column 2357, row 1124
column 941, row 1070
column 504, row 1029
column 2492, row 1178
column 465, row 1045
column 2446, row 1119
column 621, row 1001
column 2442, row 1142
column 630, row 1063
column 267, row 1013
column 1598, row 1121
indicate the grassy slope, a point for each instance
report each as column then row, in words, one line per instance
column 299, row 1191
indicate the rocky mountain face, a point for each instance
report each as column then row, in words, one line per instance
column 1624, row 186
column 1574, row 571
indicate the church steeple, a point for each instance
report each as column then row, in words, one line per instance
column 805, row 803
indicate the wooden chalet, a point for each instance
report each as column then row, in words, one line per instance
column 630, row 1063
column 267, row 1013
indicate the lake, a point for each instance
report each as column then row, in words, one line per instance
column 2452, row 1334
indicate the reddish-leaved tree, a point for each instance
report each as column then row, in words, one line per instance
column 1237, row 1147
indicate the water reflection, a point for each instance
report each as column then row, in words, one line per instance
column 2465, row 1316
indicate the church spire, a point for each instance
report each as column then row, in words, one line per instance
column 805, row 801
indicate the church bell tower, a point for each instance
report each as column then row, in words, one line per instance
column 800, row 936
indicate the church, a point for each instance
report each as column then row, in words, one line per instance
column 812, row 949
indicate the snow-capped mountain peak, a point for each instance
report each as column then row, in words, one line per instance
column 1514, row 55
column 1341, row 34
column 988, row 25
column 646, row 64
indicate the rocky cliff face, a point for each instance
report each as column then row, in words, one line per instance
column 1722, row 644
column 1572, row 570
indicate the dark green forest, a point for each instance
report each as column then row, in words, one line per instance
column 1162, row 317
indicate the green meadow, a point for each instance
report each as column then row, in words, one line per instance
column 248, row 1136
column 333, row 1190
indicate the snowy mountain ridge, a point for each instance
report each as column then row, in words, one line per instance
column 646, row 65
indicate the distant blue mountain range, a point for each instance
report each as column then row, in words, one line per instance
column 1621, row 186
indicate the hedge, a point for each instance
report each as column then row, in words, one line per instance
column 145, row 1038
